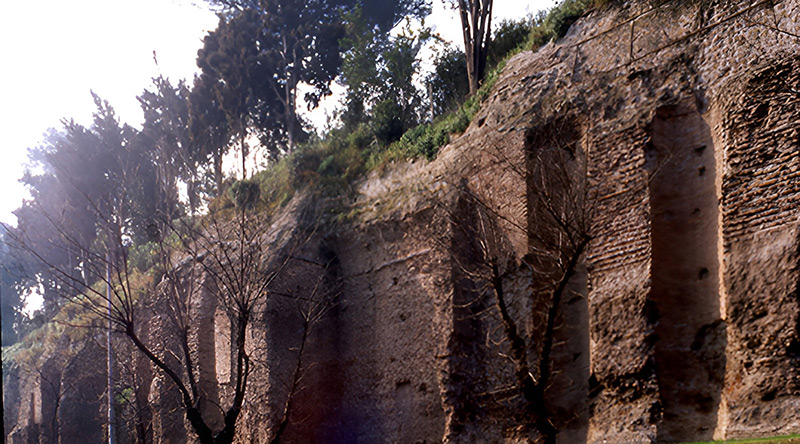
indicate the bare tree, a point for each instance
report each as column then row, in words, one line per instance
column 133, row 415
column 229, row 257
column 312, row 310
column 558, row 232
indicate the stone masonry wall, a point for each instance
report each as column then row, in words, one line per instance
column 667, row 132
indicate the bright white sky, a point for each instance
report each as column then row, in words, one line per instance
column 56, row 51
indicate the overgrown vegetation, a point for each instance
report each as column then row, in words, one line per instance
column 384, row 118
column 375, row 138
column 109, row 195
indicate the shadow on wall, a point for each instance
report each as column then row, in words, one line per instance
column 558, row 223
column 684, row 300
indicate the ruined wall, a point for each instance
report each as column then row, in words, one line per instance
column 57, row 395
column 687, row 115
column 667, row 132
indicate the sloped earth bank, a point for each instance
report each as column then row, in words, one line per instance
column 667, row 134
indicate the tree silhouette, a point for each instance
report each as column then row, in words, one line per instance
column 208, row 125
column 167, row 126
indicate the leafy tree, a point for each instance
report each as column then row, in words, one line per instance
column 208, row 125
column 561, row 18
column 301, row 39
column 235, row 70
column 72, row 166
column 399, row 66
column 259, row 57
column 382, row 15
column 359, row 72
column 166, row 124
column 90, row 183
column 506, row 37
column 12, row 274
column 448, row 81
column 148, row 199
column 387, row 122
column 379, row 73
column 261, row 53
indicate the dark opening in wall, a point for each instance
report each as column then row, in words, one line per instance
column 689, row 352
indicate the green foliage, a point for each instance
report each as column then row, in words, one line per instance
column 507, row 37
column 425, row 140
column 398, row 66
column 564, row 15
column 245, row 193
column 419, row 142
column 10, row 353
column 555, row 24
column 125, row 396
column 788, row 439
column 378, row 71
column 359, row 68
column 336, row 160
column 448, row 81
column 387, row 121
column 277, row 183
column 143, row 257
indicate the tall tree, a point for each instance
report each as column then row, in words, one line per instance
column 232, row 62
column 208, row 125
column 399, row 66
column 359, row 74
column 448, row 81
column 85, row 181
column 167, row 124
column 12, row 272
column 383, row 15
column 261, row 54
column 301, row 41
column 476, row 23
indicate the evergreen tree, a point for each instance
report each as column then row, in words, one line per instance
column 364, row 46
column 448, row 81
column 167, row 124
column 232, row 62
column 208, row 125
column 259, row 56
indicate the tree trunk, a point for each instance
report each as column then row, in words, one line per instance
column 243, row 136
column 218, row 170
column 519, row 348
column 191, row 191
column 291, row 111
column 476, row 21
column 228, row 432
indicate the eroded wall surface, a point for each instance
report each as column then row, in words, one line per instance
column 667, row 134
